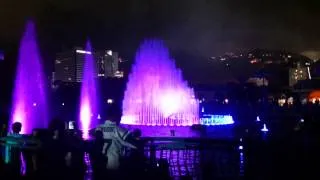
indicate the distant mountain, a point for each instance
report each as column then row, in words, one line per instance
column 273, row 65
column 265, row 56
column 312, row 54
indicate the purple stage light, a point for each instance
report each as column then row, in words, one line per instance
column 88, row 106
column 156, row 93
column 29, row 98
column 1, row 55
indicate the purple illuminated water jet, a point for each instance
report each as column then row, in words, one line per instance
column 88, row 106
column 156, row 93
column 29, row 98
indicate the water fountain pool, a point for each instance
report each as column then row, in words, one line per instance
column 156, row 94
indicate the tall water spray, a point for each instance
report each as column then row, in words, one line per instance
column 88, row 101
column 29, row 105
column 156, row 93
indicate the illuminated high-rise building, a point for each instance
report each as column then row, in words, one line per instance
column 69, row 66
column 111, row 60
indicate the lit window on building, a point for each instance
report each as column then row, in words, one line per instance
column 290, row 100
column 253, row 61
column 315, row 100
column 109, row 52
column 304, row 101
column 281, row 101
column 83, row 52
column 109, row 101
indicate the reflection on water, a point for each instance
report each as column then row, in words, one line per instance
column 193, row 160
column 241, row 158
column 218, row 161
column 88, row 174
column 212, row 132
column 181, row 162
column 223, row 160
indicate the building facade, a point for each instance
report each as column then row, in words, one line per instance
column 298, row 73
column 111, row 62
column 279, row 68
column 69, row 66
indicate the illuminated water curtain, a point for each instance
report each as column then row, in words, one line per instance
column 29, row 98
column 156, row 93
column 88, row 106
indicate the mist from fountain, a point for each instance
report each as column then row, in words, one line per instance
column 156, row 93
column 29, row 103
column 88, row 101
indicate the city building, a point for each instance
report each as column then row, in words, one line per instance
column 275, row 67
column 111, row 62
column 298, row 73
column 69, row 66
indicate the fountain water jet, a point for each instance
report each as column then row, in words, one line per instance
column 156, row 93
column 29, row 105
column 88, row 101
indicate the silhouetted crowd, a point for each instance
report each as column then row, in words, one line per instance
column 60, row 153
column 57, row 153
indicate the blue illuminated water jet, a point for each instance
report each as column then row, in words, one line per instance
column 29, row 105
column 264, row 129
column 88, row 106
column 258, row 119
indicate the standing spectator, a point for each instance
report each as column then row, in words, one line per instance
column 75, row 154
column 114, row 141
column 98, row 159
column 135, row 164
column 12, row 150
column 31, row 153
column 56, row 151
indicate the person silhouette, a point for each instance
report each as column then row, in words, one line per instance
column 12, row 150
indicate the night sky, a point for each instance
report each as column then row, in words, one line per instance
column 195, row 27
column 202, row 27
